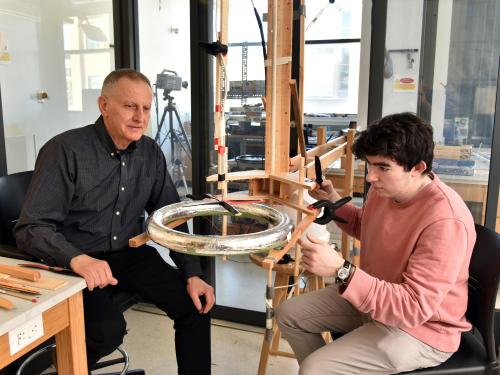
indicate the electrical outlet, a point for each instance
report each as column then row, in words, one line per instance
column 25, row 334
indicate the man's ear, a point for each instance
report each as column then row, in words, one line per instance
column 102, row 103
column 420, row 167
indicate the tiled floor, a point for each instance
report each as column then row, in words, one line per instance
column 235, row 348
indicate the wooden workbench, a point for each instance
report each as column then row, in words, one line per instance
column 62, row 314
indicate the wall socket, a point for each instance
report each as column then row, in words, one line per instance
column 25, row 334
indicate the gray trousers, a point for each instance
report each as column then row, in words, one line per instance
column 368, row 347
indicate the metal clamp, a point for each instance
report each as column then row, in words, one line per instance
column 329, row 209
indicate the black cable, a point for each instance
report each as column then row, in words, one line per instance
column 259, row 22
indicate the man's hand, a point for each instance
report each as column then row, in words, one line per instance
column 96, row 272
column 196, row 287
column 325, row 191
column 319, row 258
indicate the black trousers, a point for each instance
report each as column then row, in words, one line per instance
column 143, row 271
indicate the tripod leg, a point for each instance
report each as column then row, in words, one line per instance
column 178, row 174
column 160, row 126
column 183, row 131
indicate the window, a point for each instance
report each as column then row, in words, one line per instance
column 456, row 90
column 88, row 55
column 331, row 60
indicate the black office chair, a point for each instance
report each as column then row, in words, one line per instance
column 13, row 189
column 477, row 352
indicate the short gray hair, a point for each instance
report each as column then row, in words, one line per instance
column 117, row 74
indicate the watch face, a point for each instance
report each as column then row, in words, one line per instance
column 342, row 273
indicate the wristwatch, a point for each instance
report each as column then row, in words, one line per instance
column 343, row 273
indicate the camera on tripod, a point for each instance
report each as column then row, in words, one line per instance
column 170, row 126
column 168, row 80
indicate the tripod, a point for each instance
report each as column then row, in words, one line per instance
column 177, row 137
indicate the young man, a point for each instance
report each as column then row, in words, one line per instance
column 404, row 307
column 89, row 189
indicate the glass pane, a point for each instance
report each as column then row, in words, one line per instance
column 331, row 78
column 59, row 54
column 244, row 113
column 164, row 40
column 88, row 56
column 460, row 101
column 340, row 20
column 242, row 24
column 245, row 129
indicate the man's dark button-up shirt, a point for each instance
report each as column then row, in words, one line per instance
column 86, row 196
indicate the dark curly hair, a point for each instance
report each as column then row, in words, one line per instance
column 402, row 137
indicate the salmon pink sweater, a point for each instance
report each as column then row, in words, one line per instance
column 414, row 263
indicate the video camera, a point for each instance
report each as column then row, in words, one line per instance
column 169, row 80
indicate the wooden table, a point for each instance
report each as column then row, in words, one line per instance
column 62, row 314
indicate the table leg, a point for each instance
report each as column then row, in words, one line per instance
column 70, row 342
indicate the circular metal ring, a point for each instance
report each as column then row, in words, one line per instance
column 209, row 245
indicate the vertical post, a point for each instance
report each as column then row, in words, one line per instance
column 220, row 124
column 126, row 33
column 278, row 72
column 202, row 106
column 3, row 154
column 348, row 185
column 321, row 136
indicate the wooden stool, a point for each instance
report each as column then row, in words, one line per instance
column 283, row 272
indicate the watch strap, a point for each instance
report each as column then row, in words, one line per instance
column 347, row 266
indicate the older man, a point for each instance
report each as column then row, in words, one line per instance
column 89, row 189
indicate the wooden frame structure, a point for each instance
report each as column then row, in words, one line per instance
column 283, row 178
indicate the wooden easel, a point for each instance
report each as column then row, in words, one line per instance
column 284, row 178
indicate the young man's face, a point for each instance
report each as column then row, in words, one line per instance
column 390, row 180
column 126, row 109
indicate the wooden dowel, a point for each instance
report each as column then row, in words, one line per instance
column 19, row 287
column 6, row 304
column 142, row 238
column 21, row 273
column 12, row 294
column 138, row 240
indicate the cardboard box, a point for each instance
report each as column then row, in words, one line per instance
column 453, row 152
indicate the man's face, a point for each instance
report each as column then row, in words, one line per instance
column 389, row 179
column 126, row 109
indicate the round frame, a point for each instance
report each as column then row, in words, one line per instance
column 209, row 245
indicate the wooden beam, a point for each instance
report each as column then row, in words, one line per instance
column 278, row 102
column 297, row 110
column 326, row 160
column 275, row 255
column 291, row 179
column 142, row 238
column 240, row 175
column 318, row 151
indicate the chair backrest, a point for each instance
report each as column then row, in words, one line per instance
column 13, row 190
column 484, row 279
